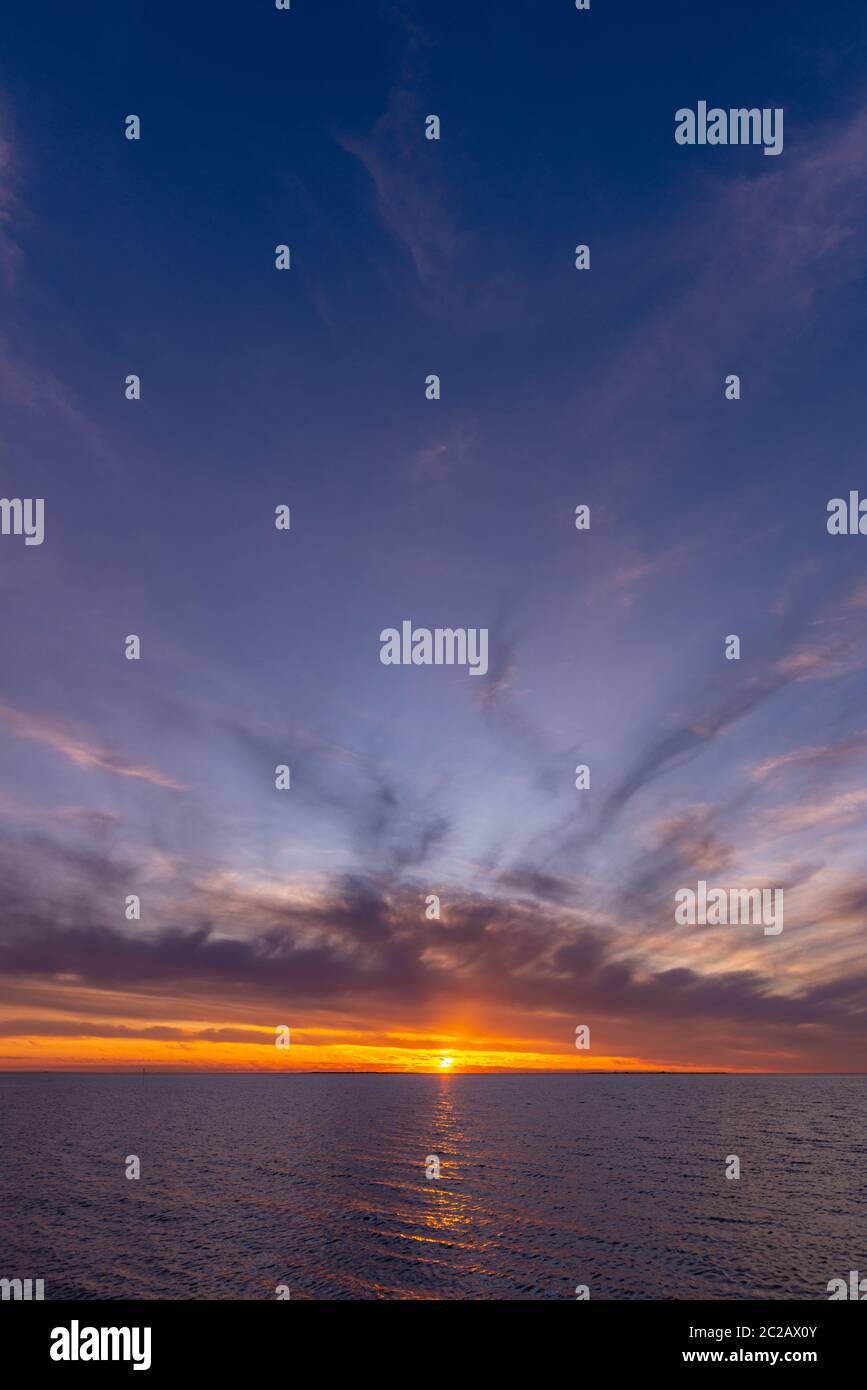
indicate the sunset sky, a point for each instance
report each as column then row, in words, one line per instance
column 260, row 647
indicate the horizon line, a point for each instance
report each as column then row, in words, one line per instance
column 433, row 1071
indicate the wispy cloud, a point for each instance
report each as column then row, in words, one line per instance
column 411, row 197
column 810, row 757
column 78, row 749
column 762, row 250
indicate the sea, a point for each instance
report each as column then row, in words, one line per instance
column 374, row 1186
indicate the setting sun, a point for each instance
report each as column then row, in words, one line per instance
column 446, row 1061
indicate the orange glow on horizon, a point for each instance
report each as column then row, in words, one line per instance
column 388, row 1053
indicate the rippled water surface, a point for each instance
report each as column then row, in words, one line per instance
column 318, row 1182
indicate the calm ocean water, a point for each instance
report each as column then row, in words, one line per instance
column 318, row 1182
